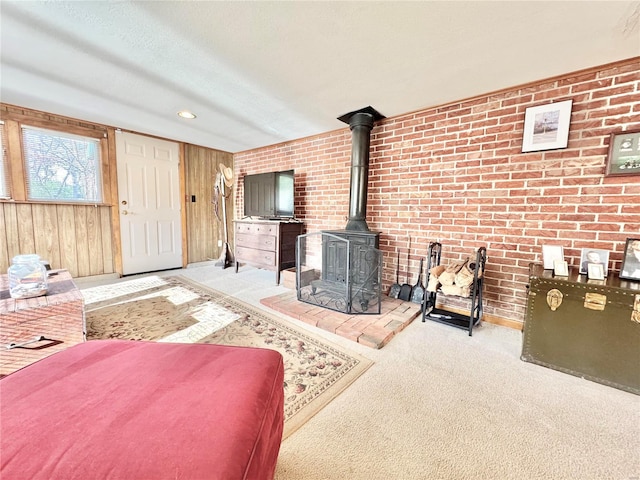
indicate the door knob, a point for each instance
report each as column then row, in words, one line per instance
column 124, row 212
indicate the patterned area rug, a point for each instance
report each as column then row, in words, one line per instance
column 176, row 309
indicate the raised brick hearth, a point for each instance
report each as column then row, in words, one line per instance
column 374, row 331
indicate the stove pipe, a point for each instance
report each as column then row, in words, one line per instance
column 360, row 122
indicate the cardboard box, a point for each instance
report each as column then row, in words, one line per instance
column 306, row 277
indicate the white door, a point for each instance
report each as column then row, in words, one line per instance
column 149, row 203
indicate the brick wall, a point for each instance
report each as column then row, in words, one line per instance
column 455, row 173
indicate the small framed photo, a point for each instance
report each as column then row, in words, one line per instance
column 546, row 127
column 560, row 268
column 595, row 271
column 631, row 260
column 593, row 255
column 624, row 154
column 551, row 253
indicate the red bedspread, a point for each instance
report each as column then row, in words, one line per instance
column 115, row 409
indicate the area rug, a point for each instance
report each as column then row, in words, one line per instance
column 176, row 309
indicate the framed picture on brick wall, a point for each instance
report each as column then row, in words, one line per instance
column 546, row 127
column 624, row 153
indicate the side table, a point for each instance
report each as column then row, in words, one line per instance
column 34, row 328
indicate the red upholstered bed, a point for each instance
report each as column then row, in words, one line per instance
column 114, row 409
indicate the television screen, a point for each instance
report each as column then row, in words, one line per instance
column 269, row 195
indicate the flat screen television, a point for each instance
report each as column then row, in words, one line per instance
column 269, row 195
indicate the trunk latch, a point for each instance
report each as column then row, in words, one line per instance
column 554, row 298
column 595, row 301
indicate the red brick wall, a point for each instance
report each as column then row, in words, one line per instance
column 455, row 173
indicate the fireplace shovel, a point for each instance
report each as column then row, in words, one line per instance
column 405, row 290
column 394, row 291
column 417, row 292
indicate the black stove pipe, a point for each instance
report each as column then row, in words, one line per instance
column 360, row 122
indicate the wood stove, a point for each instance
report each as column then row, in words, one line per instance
column 347, row 273
column 350, row 272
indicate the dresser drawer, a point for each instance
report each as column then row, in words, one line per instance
column 263, row 242
column 256, row 228
column 257, row 257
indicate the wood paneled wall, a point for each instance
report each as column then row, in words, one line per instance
column 74, row 237
column 204, row 229
column 84, row 239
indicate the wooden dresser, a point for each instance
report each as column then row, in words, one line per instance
column 268, row 244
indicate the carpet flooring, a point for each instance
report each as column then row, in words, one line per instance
column 176, row 309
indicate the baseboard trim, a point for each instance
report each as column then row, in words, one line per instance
column 96, row 278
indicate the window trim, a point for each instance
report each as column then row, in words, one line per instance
column 17, row 164
column 24, row 128
column 5, row 172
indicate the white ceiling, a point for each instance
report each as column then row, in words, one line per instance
column 260, row 73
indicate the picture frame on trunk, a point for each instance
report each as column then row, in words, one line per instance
column 560, row 268
column 631, row 260
column 546, row 127
column 551, row 253
column 593, row 256
column 595, row 271
column 624, row 154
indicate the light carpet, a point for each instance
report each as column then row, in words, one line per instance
column 176, row 309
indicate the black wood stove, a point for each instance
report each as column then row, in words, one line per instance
column 350, row 273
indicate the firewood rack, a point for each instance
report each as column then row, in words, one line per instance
column 442, row 315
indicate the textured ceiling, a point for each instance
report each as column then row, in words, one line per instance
column 260, row 73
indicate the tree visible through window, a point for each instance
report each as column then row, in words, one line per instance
column 61, row 166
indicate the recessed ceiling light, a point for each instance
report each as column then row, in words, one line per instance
column 186, row 114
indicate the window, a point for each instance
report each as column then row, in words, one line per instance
column 4, row 178
column 61, row 166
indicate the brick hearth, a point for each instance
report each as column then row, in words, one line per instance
column 371, row 330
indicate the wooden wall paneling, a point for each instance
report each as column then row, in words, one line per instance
column 11, row 231
column 107, row 239
column 207, row 224
column 67, row 229
column 203, row 229
column 45, row 227
column 34, row 118
column 94, row 241
column 5, row 261
column 14, row 156
column 81, row 240
column 86, row 239
column 191, row 166
column 105, row 170
column 183, row 213
column 24, row 217
column 115, row 202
